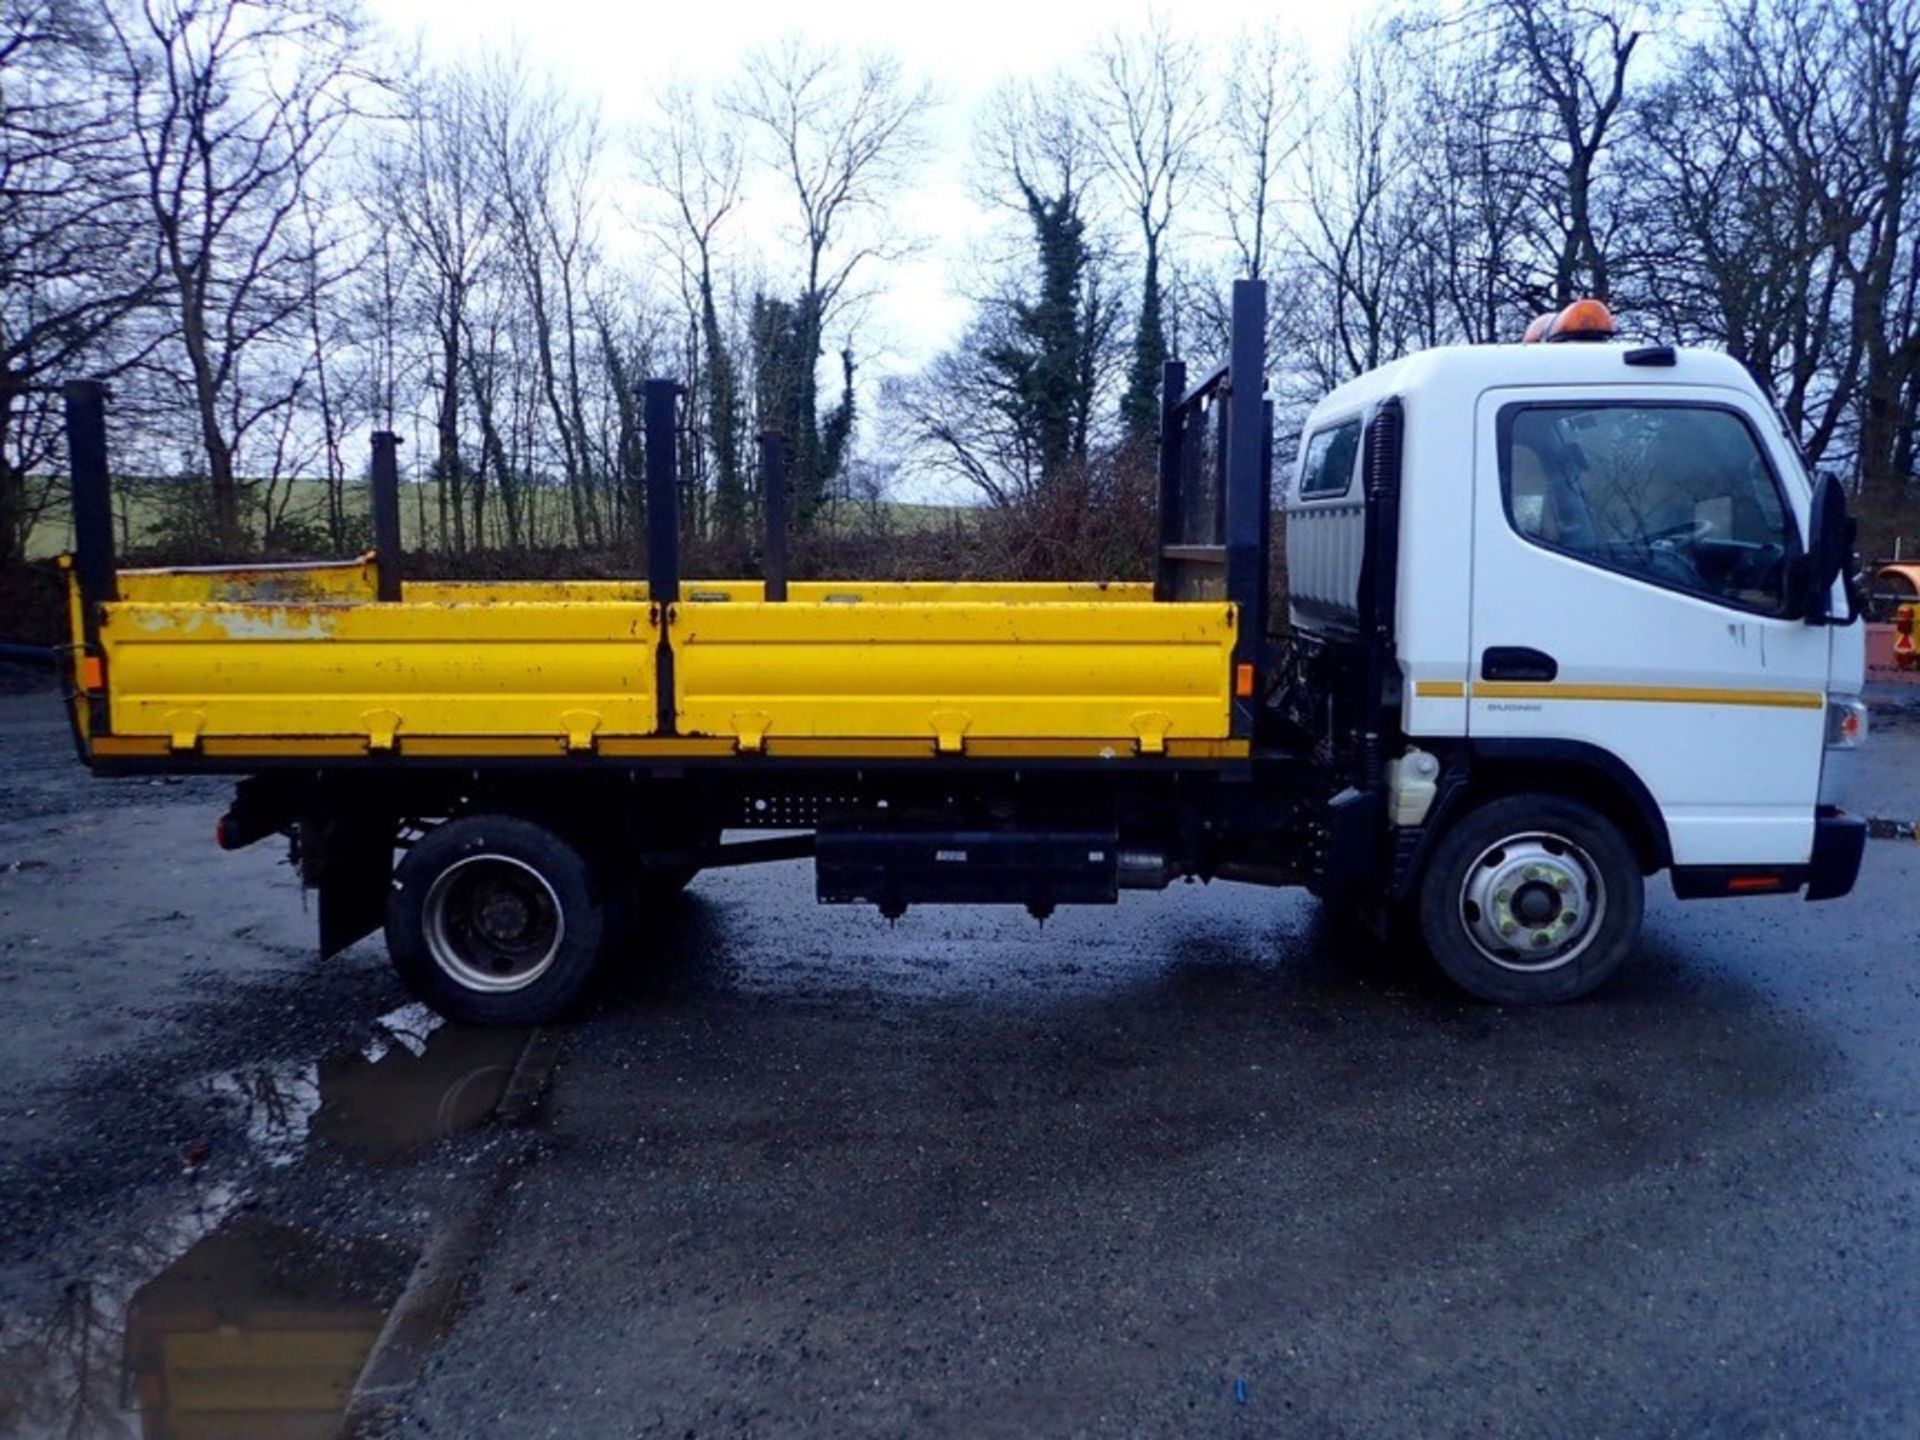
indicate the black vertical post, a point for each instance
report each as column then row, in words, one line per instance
column 660, row 412
column 86, row 413
column 386, row 513
column 1173, row 387
column 663, row 490
column 773, row 504
column 1246, row 490
column 1266, row 503
column 1215, row 520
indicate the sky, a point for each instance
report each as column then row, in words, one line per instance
column 624, row 52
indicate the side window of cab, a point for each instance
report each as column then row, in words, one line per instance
column 1673, row 494
column 1326, row 469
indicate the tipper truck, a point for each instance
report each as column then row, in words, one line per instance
column 1560, row 616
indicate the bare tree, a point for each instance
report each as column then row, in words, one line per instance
column 1881, row 256
column 1152, row 123
column 72, row 265
column 1263, row 124
column 1473, row 185
column 489, row 358
column 233, row 105
column 434, row 182
column 839, row 132
column 1739, row 192
column 1574, row 59
column 695, row 166
column 1356, row 238
column 542, row 148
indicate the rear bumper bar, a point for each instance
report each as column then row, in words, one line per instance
column 1839, row 842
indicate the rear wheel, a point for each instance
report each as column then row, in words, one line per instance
column 495, row 920
column 1531, row 899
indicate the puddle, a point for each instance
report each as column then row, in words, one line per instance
column 259, row 1329
column 204, row 1320
column 255, row 1329
column 63, row 1375
column 416, row 1080
column 389, row 1100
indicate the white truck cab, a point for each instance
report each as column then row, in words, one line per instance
column 1612, row 580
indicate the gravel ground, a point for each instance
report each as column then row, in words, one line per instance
column 1197, row 1163
column 1204, row 1165
column 200, row 1125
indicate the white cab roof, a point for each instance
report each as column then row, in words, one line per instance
column 1463, row 371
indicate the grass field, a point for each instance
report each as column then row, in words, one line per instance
column 167, row 516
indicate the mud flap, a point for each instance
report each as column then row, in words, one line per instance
column 349, row 860
column 1351, row 872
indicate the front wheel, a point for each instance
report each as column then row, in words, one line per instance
column 1531, row 899
column 495, row 920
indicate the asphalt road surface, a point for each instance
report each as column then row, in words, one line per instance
column 1200, row 1164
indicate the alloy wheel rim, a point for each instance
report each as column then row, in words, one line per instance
column 1532, row 902
column 493, row 923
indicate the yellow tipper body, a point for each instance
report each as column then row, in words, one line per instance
column 303, row 662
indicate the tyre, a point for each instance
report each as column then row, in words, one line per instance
column 495, row 920
column 1531, row 899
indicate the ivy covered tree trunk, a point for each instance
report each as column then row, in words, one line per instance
column 1140, row 407
column 13, row 490
column 787, row 397
column 723, row 425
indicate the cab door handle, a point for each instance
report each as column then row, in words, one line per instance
column 1517, row 662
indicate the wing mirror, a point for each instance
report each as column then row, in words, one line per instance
column 1830, row 536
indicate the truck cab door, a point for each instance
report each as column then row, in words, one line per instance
column 1634, row 556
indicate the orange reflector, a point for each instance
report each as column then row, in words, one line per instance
column 1243, row 681
column 93, row 674
column 1754, row 882
column 1582, row 320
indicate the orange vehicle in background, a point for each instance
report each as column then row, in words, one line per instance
column 1893, row 601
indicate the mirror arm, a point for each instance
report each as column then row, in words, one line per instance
column 1813, row 597
column 1850, row 573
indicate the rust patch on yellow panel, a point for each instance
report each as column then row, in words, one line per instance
column 336, row 582
column 118, row 747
